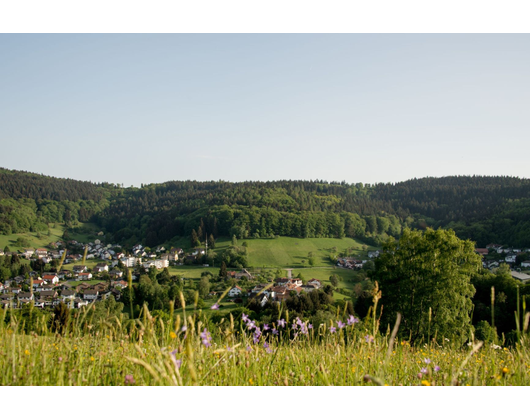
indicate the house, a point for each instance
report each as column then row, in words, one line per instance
column 100, row 268
column 84, row 276
column 119, row 283
column 308, row 288
column 41, row 252
column 116, row 273
column 48, row 294
column 78, row 269
column 520, row 276
column 235, row 291
column 525, row 264
column 510, row 258
column 67, row 294
column 50, row 278
column 90, row 294
column 131, row 261
column 290, row 283
column 160, row 264
column 373, row 254
column 28, row 253
column 482, row 251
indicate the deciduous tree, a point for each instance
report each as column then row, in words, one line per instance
column 425, row 276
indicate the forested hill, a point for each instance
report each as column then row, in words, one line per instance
column 485, row 209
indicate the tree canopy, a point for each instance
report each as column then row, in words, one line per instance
column 426, row 276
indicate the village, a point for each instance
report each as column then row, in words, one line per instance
column 78, row 287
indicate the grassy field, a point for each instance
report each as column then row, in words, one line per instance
column 42, row 239
column 114, row 351
column 293, row 252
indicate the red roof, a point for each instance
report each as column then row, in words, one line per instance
column 49, row 277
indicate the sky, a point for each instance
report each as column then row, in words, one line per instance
column 150, row 108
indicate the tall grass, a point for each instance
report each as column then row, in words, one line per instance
column 190, row 350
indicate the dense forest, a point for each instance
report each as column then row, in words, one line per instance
column 484, row 209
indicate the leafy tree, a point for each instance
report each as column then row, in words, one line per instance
column 211, row 241
column 334, row 279
column 204, row 287
column 425, row 276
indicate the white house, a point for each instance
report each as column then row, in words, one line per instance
column 50, row 278
column 235, row 291
column 525, row 264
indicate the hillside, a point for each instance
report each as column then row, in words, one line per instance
column 484, row 209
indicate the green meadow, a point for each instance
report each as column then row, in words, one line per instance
column 189, row 349
column 293, row 252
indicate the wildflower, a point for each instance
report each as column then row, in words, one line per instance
column 249, row 348
column 244, row 318
column 309, row 326
column 250, row 381
column 129, row 380
column 206, row 338
column 423, row 370
column 215, row 306
column 172, row 335
column 341, row 324
column 26, row 352
column 275, row 331
column 251, row 325
column 184, row 328
column 176, row 362
column 505, row 370
column 61, row 359
column 426, row 361
column 92, row 359
column 495, row 346
column 425, row 383
column 436, row 368
column 332, row 329
column 352, row 320
column 368, row 338
column 294, row 327
column 281, row 323
column 266, row 327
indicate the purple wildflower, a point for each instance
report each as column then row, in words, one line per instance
column 426, row 361
column 275, row 331
column 352, row 320
column 244, row 318
column 299, row 321
column 281, row 323
column 423, row 370
column 369, row 338
column 310, row 326
column 184, row 328
column 341, row 324
column 129, row 380
column 436, row 368
column 251, row 325
column 294, row 327
column 206, row 338
column 333, row 329
column 249, row 348
column 215, row 307
column 266, row 327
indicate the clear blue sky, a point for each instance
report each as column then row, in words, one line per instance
column 138, row 109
